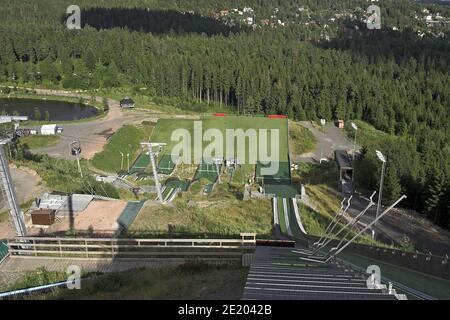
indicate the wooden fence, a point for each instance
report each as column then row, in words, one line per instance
column 132, row 248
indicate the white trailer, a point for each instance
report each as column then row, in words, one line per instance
column 49, row 129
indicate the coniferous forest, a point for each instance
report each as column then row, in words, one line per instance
column 315, row 59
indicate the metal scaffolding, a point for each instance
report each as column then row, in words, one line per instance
column 10, row 193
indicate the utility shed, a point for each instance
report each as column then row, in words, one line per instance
column 345, row 165
column 43, row 217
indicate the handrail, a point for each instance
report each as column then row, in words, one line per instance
column 367, row 227
column 21, row 239
column 328, row 238
column 354, row 221
column 331, row 223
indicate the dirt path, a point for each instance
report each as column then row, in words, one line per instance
column 28, row 186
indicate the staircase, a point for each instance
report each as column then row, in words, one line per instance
column 279, row 274
column 3, row 250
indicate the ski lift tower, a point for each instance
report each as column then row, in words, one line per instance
column 150, row 146
column 10, row 192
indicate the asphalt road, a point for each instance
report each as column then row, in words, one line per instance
column 330, row 139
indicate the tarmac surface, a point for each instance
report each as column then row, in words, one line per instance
column 329, row 138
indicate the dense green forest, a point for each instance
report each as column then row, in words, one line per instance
column 319, row 61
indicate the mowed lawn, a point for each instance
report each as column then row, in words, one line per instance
column 126, row 140
column 166, row 127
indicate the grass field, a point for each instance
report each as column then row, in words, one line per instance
column 126, row 140
column 38, row 141
column 301, row 140
column 166, row 127
column 193, row 281
column 222, row 217
column 4, row 216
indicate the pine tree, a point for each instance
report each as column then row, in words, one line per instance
column 392, row 188
column 436, row 204
column 89, row 60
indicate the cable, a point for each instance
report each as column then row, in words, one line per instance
column 90, row 190
column 106, row 193
column 84, row 139
column 93, row 190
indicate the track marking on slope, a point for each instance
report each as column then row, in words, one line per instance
column 275, row 212
column 286, row 217
column 297, row 216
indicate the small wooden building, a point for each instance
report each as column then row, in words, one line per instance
column 340, row 124
column 43, row 217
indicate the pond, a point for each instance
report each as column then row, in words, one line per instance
column 48, row 110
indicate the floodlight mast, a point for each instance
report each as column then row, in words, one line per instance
column 149, row 146
column 355, row 127
column 382, row 158
column 5, row 175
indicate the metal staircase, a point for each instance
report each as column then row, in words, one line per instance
column 280, row 274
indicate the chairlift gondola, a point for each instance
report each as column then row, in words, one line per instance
column 75, row 148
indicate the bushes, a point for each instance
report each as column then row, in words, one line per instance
column 302, row 140
column 63, row 176
column 39, row 277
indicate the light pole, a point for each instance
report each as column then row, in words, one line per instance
column 355, row 127
column 382, row 158
column 121, row 162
